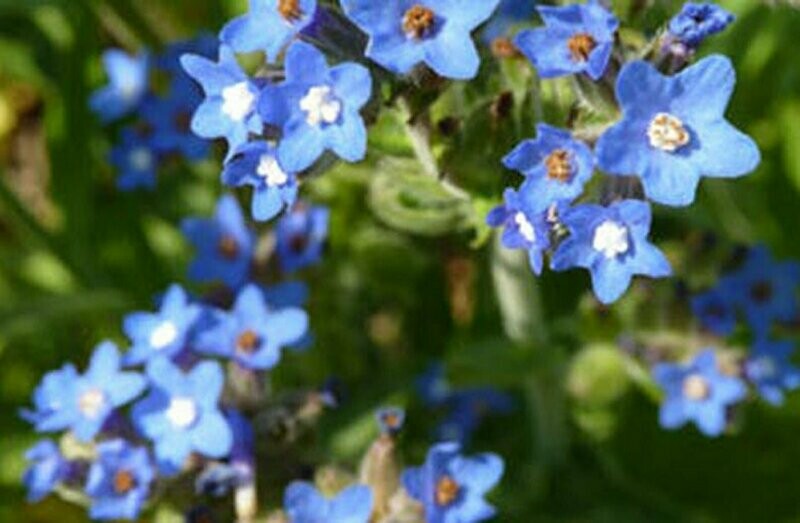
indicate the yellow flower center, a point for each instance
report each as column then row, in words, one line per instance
column 581, row 46
column 446, row 491
column 558, row 166
column 290, row 10
column 418, row 22
column 696, row 387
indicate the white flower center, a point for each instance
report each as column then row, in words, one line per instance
column 163, row 335
column 611, row 238
column 182, row 412
column 696, row 387
column 269, row 169
column 525, row 227
column 141, row 159
column 321, row 106
column 91, row 403
column 666, row 132
column 238, row 101
column 766, row 367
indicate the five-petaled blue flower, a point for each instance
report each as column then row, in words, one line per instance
column 317, row 108
column 136, row 161
column 403, row 33
column 119, row 480
column 269, row 26
column 252, row 334
column 451, row 487
column 770, row 369
column 390, row 420
column 696, row 22
column 611, row 242
column 224, row 245
column 525, row 228
column 673, row 130
column 304, row 504
column 697, row 392
column 46, row 470
column 128, row 81
column 576, row 38
column 256, row 164
column 82, row 403
column 301, row 236
column 164, row 332
column 181, row 414
column 715, row 308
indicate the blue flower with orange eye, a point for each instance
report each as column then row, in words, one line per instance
column 256, row 164
column 715, row 308
column 305, row 504
column 697, row 392
column 404, row 33
column 524, row 228
column 770, row 369
column 451, row 487
column 673, row 130
column 224, row 245
column 611, row 242
column 119, row 480
column 128, row 81
column 317, row 108
column 390, row 420
column 696, row 22
column 46, row 470
column 576, row 38
column 136, row 161
column 301, row 236
column 268, row 26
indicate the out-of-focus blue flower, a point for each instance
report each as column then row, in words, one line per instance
column 508, row 14
column 576, row 38
column 304, row 504
column 119, row 480
column 301, row 236
column 46, row 470
column 611, row 242
column 524, row 228
column 451, row 487
column 673, row 130
column 403, row 33
column 136, row 161
column 256, row 164
column 169, row 118
column 268, row 26
column 128, row 81
column 697, row 392
column 770, row 369
column 229, row 110
column 181, row 415
column 164, row 332
column 82, row 403
column 317, row 108
column 391, row 420
column 468, row 408
column 715, row 308
column 170, row 59
column 251, row 333
column 432, row 385
column 696, row 22
column 224, row 245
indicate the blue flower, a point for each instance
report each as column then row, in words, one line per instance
column 697, row 392
column 82, row 403
column 301, row 235
column 252, row 334
column 673, row 130
column 508, row 14
column 611, row 242
column 229, row 110
column 317, row 108
column 136, row 161
column 128, row 78
column 170, row 59
column 390, row 420
column 769, row 367
column 256, row 164
column 268, row 26
column 451, row 487
column 467, row 409
column 525, row 228
column 119, row 480
column 47, row 469
column 696, row 22
column 224, row 245
column 403, row 33
column 163, row 333
column 432, row 385
column 304, row 504
column 181, row 415
column 715, row 309
column 576, row 38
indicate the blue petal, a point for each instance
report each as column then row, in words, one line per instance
column 212, row 436
column 452, row 54
column 725, row 151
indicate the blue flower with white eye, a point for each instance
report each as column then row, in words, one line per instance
column 46, row 470
column 576, row 38
column 611, row 242
column 305, row 504
column 256, row 164
column 82, row 403
column 164, row 332
column 451, row 487
column 509, row 13
column 770, row 369
column 268, row 26
column 229, row 110
column 673, row 130
column 251, row 333
column 697, row 392
column 119, row 480
column 301, row 236
column 181, row 414
column 468, row 408
column 224, row 245
column 715, row 308
column 696, row 22
column 317, row 108
column 136, row 161
column 128, row 79
column 404, row 33
column 524, row 228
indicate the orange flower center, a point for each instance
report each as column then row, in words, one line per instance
column 228, row 247
column 558, row 166
column 123, row 482
column 581, row 46
column 247, row 342
column 446, row 491
column 290, row 10
column 418, row 21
